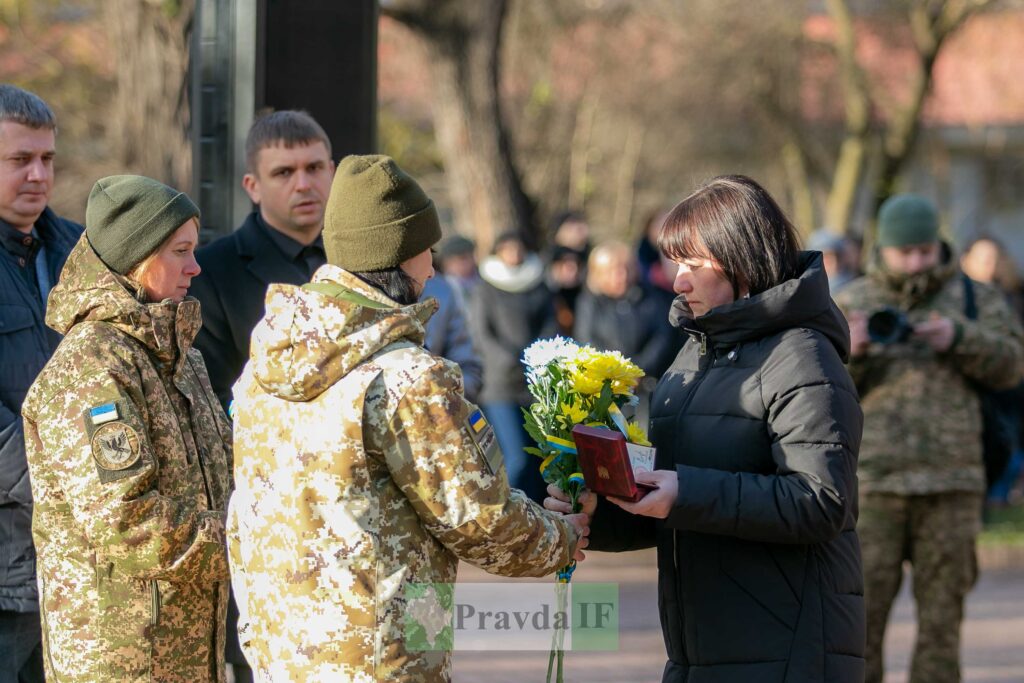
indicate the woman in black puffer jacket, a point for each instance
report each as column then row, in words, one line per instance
column 757, row 426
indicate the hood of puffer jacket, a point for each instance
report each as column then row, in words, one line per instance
column 314, row 335
column 912, row 289
column 802, row 301
column 89, row 291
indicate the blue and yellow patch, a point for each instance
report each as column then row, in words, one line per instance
column 484, row 439
column 477, row 421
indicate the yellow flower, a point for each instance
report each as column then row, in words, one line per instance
column 610, row 365
column 585, row 383
column 573, row 414
column 636, row 434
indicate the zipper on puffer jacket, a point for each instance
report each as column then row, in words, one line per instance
column 702, row 373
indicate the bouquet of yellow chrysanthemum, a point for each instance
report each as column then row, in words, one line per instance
column 573, row 385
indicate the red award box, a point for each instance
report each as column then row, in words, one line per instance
column 604, row 461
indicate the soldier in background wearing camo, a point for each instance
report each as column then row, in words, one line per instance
column 921, row 474
column 129, row 453
column 361, row 469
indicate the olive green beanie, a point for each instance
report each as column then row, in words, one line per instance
column 377, row 216
column 906, row 219
column 128, row 217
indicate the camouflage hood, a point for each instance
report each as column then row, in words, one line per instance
column 911, row 290
column 89, row 291
column 312, row 336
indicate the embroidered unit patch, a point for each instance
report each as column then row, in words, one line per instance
column 115, row 446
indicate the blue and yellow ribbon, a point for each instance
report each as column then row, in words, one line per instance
column 563, row 445
column 548, row 461
column 618, row 419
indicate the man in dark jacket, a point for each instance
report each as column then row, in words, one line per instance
column 289, row 172
column 34, row 243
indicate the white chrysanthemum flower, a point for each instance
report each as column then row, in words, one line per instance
column 543, row 351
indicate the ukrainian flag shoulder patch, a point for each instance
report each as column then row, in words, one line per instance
column 477, row 421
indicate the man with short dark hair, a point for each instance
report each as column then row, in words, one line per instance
column 34, row 243
column 920, row 469
column 289, row 172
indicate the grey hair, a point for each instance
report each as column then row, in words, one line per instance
column 21, row 106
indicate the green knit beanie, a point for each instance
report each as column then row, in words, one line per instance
column 906, row 219
column 128, row 217
column 377, row 216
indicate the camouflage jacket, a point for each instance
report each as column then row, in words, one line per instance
column 359, row 476
column 922, row 417
column 129, row 455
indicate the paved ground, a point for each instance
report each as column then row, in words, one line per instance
column 993, row 635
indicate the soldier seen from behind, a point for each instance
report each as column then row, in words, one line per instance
column 34, row 243
column 918, row 360
column 362, row 472
column 129, row 453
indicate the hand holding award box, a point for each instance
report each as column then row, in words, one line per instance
column 608, row 464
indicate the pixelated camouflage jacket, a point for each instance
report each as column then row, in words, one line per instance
column 360, row 477
column 129, row 455
column 922, row 418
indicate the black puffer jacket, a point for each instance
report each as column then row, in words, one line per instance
column 759, row 564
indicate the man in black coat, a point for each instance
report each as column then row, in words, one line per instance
column 34, row 243
column 289, row 173
column 288, row 159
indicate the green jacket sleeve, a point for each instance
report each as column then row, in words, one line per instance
column 990, row 349
column 460, row 494
column 110, row 477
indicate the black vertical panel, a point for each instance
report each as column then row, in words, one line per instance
column 321, row 56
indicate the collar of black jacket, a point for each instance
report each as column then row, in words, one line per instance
column 292, row 249
column 18, row 243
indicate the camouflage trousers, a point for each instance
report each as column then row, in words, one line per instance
column 936, row 534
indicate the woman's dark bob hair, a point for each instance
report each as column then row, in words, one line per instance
column 736, row 222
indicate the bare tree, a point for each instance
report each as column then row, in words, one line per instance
column 896, row 127
column 462, row 39
column 150, row 118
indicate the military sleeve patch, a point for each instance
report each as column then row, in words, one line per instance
column 115, row 448
column 482, row 434
column 114, row 442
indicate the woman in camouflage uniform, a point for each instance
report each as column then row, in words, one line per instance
column 129, row 453
column 363, row 473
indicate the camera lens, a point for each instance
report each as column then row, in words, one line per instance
column 888, row 326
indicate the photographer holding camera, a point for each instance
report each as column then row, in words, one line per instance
column 918, row 360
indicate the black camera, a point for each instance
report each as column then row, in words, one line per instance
column 889, row 325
